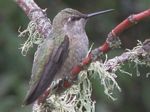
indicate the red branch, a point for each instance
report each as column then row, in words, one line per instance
column 44, row 27
column 127, row 23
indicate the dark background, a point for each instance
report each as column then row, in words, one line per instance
column 15, row 69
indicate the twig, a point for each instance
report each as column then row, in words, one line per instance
column 142, row 52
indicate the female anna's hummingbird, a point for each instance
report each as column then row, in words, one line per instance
column 66, row 46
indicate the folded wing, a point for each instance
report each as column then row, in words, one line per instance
column 54, row 62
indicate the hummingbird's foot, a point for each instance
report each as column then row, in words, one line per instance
column 43, row 97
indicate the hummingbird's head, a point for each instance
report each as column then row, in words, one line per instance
column 69, row 18
column 73, row 19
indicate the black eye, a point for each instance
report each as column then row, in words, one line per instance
column 74, row 18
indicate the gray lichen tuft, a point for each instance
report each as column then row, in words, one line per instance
column 140, row 57
column 33, row 37
column 78, row 97
column 107, row 79
column 75, row 99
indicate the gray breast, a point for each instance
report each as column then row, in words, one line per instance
column 78, row 48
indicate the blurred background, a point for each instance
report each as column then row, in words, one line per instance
column 15, row 69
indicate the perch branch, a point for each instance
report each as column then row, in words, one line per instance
column 37, row 15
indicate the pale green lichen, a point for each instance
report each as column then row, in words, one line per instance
column 107, row 79
column 75, row 99
column 134, row 57
column 114, row 42
column 78, row 97
column 125, row 72
column 33, row 37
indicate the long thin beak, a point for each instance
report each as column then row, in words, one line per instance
column 99, row 13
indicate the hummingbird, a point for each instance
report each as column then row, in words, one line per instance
column 65, row 47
